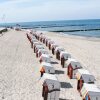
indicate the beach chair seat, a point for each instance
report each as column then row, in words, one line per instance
column 84, row 76
column 48, row 68
column 50, row 87
column 45, row 58
column 63, row 57
column 90, row 92
column 40, row 52
column 72, row 66
column 58, row 51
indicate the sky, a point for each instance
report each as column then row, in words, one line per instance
column 48, row 10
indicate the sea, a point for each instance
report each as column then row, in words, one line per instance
column 86, row 28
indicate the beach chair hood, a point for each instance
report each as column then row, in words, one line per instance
column 51, row 42
column 85, row 75
column 59, row 49
column 37, row 43
column 34, row 40
column 66, row 55
column 74, row 63
column 51, row 81
column 43, row 51
column 33, row 37
column 48, row 67
column 45, row 58
column 92, row 90
column 39, row 47
column 54, row 46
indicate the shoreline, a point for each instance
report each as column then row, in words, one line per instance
column 89, row 38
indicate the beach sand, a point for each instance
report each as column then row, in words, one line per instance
column 19, row 68
column 85, row 49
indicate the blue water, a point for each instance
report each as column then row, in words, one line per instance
column 87, row 28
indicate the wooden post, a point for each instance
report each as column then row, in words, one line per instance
column 62, row 61
column 53, row 50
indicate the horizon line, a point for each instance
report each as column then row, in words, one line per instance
column 50, row 20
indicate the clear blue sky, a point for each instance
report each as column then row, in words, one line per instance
column 40, row 10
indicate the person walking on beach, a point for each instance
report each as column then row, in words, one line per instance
column 42, row 71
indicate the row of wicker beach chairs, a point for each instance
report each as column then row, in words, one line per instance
column 51, row 85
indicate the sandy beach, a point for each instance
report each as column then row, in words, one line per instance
column 19, row 67
column 85, row 49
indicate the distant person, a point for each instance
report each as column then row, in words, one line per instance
column 42, row 71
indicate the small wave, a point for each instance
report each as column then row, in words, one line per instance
column 52, row 26
column 76, row 30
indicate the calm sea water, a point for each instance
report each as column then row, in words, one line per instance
column 88, row 28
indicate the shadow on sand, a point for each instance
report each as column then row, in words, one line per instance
column 59, row 72
column 54, row 62
column 62, row 99
column 65, row 85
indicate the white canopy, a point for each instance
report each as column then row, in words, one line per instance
column 92, row 90
column 85, row 75
column 48, row 67
column 50, row 77
column 38, row 33
column 43, row 51
column 45, row 58
column 54, row 45
column 51, row 81
column 39, row 47
column 59, row 49
column 37, row 43
column 46, row 64
column 30, row 35
column 45, row 55
column 47, row 39
column 30, row 30
column 40, row 36
column 74, row 63
column 33, row 37
column 66, row 55
column 34, row 40
column 50, row 41
column 43, row 36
